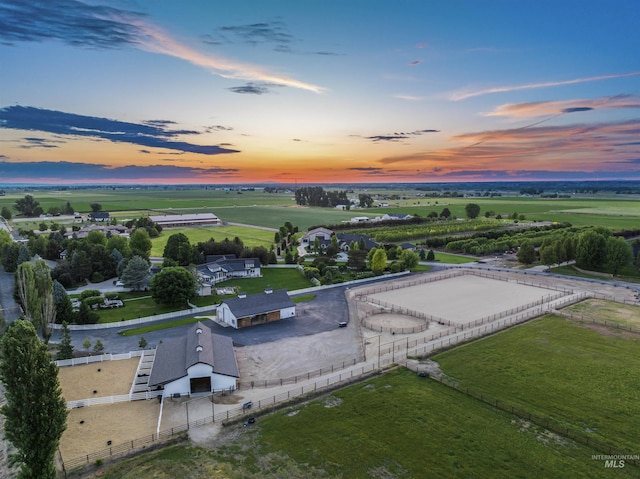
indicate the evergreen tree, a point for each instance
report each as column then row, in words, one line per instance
column 142, row 343
column 65, row 350
column 136, row 274
column 431, row 256
column 35, row 412
column 98, row 347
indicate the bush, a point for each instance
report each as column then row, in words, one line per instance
column 96, row 277
column 111, row 295
column 88, row 293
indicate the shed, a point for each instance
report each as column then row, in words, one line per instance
column 250, row 310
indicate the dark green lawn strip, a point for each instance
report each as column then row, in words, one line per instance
column 556, row 368
column 158, row 326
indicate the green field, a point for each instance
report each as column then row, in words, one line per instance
column 453, row 258
column 250, row 236
column 396, row 425
column 275, row 278
column 273, row 209
column 556, row 368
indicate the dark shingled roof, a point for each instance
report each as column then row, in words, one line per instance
column 259, row 303
column 173, row 358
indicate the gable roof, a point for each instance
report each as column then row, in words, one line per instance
column 174, row 358
column 258, row 303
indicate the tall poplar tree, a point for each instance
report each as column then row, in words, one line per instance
column 35, row 412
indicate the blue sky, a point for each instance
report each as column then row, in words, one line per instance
column 333, row 91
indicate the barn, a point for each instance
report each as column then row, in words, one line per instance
column 199, row 363
column 251, row 310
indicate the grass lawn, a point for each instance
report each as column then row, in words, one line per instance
column 250, row 236
column 159, row 326
column 453, row 258
column 598, row 309
column 135, row 308
column 553, row 367
column 275, row 278
column 396, row 425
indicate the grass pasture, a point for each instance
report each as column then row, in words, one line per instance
column 557, row 368
column 250, row 236
column 396, row 425
column 609, row 311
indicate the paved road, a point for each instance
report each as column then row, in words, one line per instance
column 10, row 308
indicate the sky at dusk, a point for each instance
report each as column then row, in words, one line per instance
column 207, row 91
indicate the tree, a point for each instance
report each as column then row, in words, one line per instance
column 591, row 250
column 136, row 273
column 527, row 252
column 365, row 201
column 548, row 255
column 65, row 350
column 445, row 213
column 472, row 210
column 35, row 412
column 6, row 213
column 140, row 243
column 174, row 286
column 67, row 209
column 378, row 260
column 95, row 207
column 619, row 253
column 178, row 248
column 86, row 344
column 431, row 256
column 28, row 206
column 98, row 347
column 409, row 259
column 142, row 343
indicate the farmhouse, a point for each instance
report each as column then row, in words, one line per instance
column 222, row 267
column 99, row 216
column 323, row 235
column 108, row 230
column 250, row 310
column 178, row 221
column 199, row 363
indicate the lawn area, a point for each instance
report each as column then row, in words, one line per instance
column 275, row 278
column 453, row 258
column 553, row 367
column 139, row 307
column 600, row 310
column 250, row 236
column 158, row 326
column 396, row 425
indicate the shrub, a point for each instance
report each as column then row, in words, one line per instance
column 88, row 293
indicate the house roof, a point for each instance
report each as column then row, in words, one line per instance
column 98, row 214
column 348, row 238
column 264, row 302
column 318, row 230
column 228, row 264
column 174, row 358
column 186, row 218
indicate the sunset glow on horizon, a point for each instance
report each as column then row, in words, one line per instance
column 333, row 92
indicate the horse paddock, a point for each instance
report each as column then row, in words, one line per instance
column 106, row 378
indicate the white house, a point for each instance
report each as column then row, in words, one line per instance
column 224, row 267
column 199, row 363
column 323, row 235
column 250, row 310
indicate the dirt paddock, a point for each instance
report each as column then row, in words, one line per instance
column 108, row 378
column 89, row 428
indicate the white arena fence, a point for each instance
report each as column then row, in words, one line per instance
column 99, row 359
column 112, row 399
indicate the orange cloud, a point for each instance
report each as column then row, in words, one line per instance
column 157, row 41
column 464, row 94
column 545, row 108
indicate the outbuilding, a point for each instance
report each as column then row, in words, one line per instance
column 251, row 310
column 199, row 363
